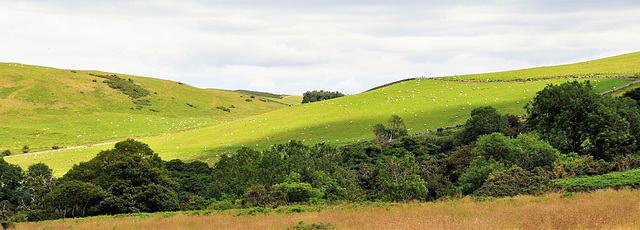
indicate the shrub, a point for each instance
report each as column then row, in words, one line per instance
column 572, row 165
column 25, row 149
column 193, row 202
column 296, row 191
column 257, row 196
column 616, row 180
column 511, row 182
column 313, row 226
column 6, row 152
column 125, row 86
column 222, row 205
column 223, row 108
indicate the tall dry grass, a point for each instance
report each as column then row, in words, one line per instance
column 605, row 209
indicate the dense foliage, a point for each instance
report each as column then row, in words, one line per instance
column 573, row 118
column 313, row 96
column 126, row 86
column 633, row 94
column 617, row 180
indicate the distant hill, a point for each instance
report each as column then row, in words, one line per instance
column 423, row 103
column 44, row 107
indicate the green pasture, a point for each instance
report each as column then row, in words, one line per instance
column 617, row 65
column 423, row 104
column 44, row 107
column 291, row 100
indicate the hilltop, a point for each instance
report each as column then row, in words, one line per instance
column 44, row 108
column 424, row 104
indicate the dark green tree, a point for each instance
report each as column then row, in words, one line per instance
column 633, row 94
column 134, row 177
column 398, row 179
column 396, row 129
column 13, row 192
column 574, row 118
column 484, row 120
column 525, row 151
column 71, row 199
column 511, row 182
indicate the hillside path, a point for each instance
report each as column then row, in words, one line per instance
column 60, row 149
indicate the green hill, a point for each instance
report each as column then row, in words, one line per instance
column 44, row 107
column 422, row 103
column 617, row 65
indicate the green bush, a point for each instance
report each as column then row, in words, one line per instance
column 296, row 191
column 125, row 86
column 313, row 226
column 511, row 182
column 222, row 205
column 616, row 180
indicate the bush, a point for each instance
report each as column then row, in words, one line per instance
column 6, row 153
column 257, row 196
column 511, row 182
column 222, row 205
column 313, row 226
column 572, row 165
column 193, row 202
column 125, row 86
column 25, row 149
column 223, row 109
column 616, row 180
column 296, row 191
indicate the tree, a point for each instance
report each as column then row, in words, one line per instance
column 73, row 199
column 633, row 94
column 484, row 120
column 13, row 193
column 511, row 182
column 574, row 118
column 525, row 151
column 313, row 96
column 395, row 130
column 398, row 179
column 134, row 177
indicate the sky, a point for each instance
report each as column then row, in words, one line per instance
column 293, row 46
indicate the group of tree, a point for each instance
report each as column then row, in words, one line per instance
column 571, row 131
column 313, row 96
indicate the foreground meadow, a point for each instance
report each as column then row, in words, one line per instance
column 603, row 209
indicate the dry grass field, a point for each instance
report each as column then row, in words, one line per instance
column 603, row 209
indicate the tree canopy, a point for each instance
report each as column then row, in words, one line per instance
column 574, row 118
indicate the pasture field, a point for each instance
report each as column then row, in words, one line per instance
column 617, row 65
column 44, row 107
column 292, row 100
column 423, row 104
column 603, row 209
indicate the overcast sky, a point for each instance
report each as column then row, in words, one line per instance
column 291, row 46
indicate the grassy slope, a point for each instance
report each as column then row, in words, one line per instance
column 622, row 64
column 42, row 107
column 424, row 104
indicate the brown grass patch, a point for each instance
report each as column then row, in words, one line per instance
column 606, row 209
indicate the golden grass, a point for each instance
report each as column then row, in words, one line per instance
column 604, row 209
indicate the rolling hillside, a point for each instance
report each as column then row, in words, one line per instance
column 44, row 107
column 422, row 103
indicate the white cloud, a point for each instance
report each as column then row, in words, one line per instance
column 294, row 46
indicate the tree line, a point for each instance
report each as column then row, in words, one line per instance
column 313, row 96
column 492, row 155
